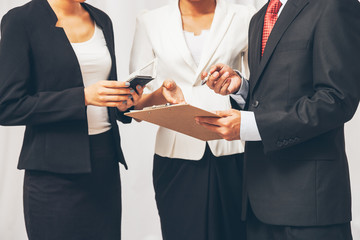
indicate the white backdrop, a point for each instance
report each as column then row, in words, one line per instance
column 140, row 219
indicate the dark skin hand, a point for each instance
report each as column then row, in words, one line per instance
column 227, row 126
column 223, row 79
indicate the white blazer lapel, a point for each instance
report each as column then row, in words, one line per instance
column 175, row 30
column 221, row 23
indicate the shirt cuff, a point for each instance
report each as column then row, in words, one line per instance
column 248, row 128
column 241, row 95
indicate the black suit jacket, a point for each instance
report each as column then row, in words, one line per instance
column 41, row 87
column 302, row 91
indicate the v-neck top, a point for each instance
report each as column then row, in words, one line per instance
column 95, row 64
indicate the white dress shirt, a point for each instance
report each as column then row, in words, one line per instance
column 248, row 129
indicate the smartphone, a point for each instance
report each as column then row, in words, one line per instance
column 139, row 80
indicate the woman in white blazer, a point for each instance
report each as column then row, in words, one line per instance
column 198, row 184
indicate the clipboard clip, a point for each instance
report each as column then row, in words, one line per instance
column 157, row 106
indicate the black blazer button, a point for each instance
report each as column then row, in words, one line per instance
column 255, row 104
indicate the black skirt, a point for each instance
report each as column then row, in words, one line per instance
column 200, row 200
column 76, row 206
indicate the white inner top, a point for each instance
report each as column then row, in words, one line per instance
column 196, row 43
column 95, row 63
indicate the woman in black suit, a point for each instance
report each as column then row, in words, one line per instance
column 55, row 58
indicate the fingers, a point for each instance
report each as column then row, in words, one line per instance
column 213, row 128
column 212, row 80
column 208, row 121
column 203, row 75
column 219, row 73
column 169, row 84
column 225, row 88
column 115, row 84
column 101, row 91
column 123, row 106
column 114, row 98
column 225, row 113
column 136, row 96
column 212, row 70
column 218, row 85
column 228, row 126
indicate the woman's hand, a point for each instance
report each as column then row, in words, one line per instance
column 133, row 100
column 172, row 92
column 112, row 94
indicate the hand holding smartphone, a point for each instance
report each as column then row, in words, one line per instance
column 144, row 75
column 139, row 80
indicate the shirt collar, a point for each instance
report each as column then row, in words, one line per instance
column 283, row 2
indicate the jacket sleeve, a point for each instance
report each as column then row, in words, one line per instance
column 20, row 104
column 336, row 82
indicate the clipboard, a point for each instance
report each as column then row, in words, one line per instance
column 179, row 117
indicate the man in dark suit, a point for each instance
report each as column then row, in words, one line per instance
column 304, row 60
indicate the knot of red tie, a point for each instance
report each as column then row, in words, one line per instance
column 274, row 7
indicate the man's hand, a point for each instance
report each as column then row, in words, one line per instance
column 223, row 79
column 228, row 126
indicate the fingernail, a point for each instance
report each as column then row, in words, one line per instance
column 132, row 90
column 226, row 74
column 127, row 84
column 130, row 96
column 124, row 102
column 138, row 87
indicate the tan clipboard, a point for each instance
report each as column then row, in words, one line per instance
column 180, row 118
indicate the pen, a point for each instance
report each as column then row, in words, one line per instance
column 206, row 79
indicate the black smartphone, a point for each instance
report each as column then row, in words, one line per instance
column 139, row 80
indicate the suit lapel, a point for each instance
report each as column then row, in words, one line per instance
column 175, row 30
column 258, row 29
column 220, row 25
column 289, row 13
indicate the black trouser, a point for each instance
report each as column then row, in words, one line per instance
column 200, row 200
column 76, row 206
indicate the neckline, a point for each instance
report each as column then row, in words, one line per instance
column 89, row 40
column 204, row 31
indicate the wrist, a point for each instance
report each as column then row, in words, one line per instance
column 85, row 97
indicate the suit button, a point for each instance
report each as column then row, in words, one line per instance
column 255, row 104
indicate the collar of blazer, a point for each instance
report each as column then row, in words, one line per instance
column 221, row 23
column 100, row 19
column 291, row 10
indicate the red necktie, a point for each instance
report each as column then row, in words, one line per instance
column 269, row 21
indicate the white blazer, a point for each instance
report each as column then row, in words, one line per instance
column 159, row 33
